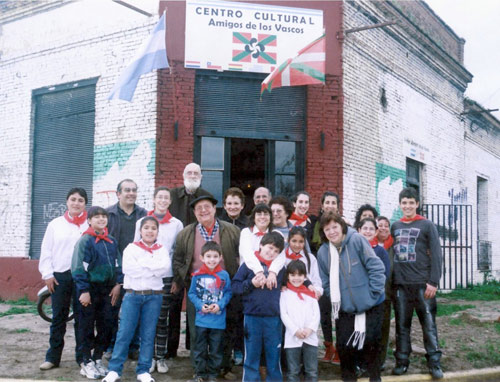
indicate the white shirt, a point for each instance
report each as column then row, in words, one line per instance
column 167, row 235
column 298, row 314
column 58, row 245
column 144, row 270
column 249, row 244
column 313, row 273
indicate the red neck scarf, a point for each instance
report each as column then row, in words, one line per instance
column 209, row 230
column 416, row 217
column 142, row 245
column 292, row 255
column 301, row 290
column 298, row 219
column 76, row 220
column 257, row 232
column 374, row 242
column 166, row 218
column 262, row 260
column 204, row 270
column 98, row 236
column 388, row 242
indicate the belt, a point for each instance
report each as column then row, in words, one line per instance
column 144, row 292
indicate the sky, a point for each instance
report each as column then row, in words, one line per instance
column 478, row 22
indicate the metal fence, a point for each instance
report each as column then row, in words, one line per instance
column 454, row 225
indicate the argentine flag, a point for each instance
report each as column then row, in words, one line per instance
column 151, row 55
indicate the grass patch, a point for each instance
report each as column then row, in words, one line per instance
column 19, row 310
column 19, row 331
column 449, row 309
column 456, row 321
column 489, row 291
column 487, row 355
column 496, row 325
column 21, row 301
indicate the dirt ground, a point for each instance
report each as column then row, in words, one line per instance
column 469, row 339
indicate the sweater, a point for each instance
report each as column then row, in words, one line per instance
column 203, row 290
column 257, row 301
column 417, row 253
column 98, row 263
column 361, row 273
column 114, row 222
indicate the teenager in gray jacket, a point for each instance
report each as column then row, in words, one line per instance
column 353, row 278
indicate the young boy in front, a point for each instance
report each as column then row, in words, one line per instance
column 210, row 293
column 416, row 274
column 261, row 307
column 96, row 270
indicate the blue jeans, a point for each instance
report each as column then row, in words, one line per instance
column 136, row 310
column 208, row 352
column 262, row 332
column 309, row 355
column 61, row 301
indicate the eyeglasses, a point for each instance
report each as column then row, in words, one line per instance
column 204, row 207
column 134, row 190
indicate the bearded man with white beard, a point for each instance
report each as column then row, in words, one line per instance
column 183, row 196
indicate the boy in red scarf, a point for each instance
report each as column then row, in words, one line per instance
column 262, row 311
column 96, row 270
column 210, row 293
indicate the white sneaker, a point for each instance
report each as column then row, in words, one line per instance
column 145, row 377
column 88, row 370
column 111, row 377
column 161, row 366
column 153, row 366
column 103, row 370
column 47, row 365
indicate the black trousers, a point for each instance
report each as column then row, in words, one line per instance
column 344, row 327
column 406, row 299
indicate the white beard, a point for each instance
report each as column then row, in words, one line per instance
column 192, row 185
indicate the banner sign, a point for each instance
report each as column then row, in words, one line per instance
column 223, row 35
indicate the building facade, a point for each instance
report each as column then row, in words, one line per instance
column 392, row 113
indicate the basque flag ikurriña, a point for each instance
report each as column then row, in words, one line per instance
column 307, row 68
column 151, row 55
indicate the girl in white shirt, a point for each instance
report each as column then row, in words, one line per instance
column 299, row 311
column 145, row 263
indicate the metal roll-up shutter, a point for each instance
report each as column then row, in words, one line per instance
column 229, row 105
column 63, row 153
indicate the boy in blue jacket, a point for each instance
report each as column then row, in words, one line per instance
column 210, row 292
column 96, row 270
column 261, row 307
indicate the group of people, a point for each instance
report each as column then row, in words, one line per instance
column 254, row 284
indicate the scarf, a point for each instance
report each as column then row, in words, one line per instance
column 358, row 336
column 374, row 242
column 262, row 260
column 209, row 234
column 292, row 255
column 166, row 218
column 258, row 233
column 301, row 290
column 77, row 220
column 144, row 246
column 388, row 242
column 416, row 217
column 98, row 236
column 204, row 270
column 298, row 219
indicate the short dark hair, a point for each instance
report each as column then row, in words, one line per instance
column 158, row 189
column 297, row 194
column 295, row 266
column 80, row 191
column 379, row 218
column 261, row 207
column 283, row 201
column 96, row 210
column 298, row 230
column 234, row 191
column 409, row 193
column 273, row 238
column 211, row 246
column 119, row 186
column 149, row 219
column 326, row 219
column 330, row 193
column 363, row 208
column 366, row 220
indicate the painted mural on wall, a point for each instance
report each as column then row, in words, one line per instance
column 117, row 161
column 389, row 181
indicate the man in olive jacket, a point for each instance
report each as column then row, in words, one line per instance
column 187, row 260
